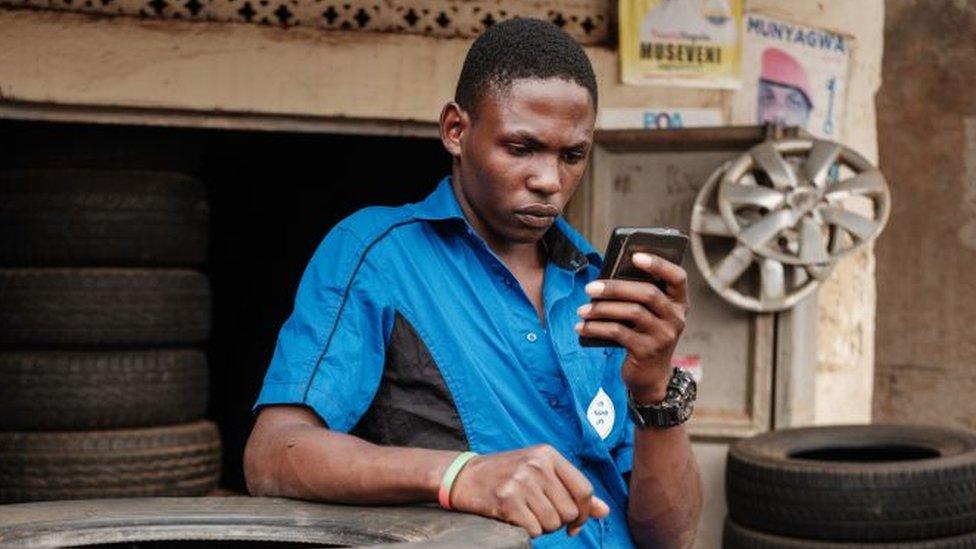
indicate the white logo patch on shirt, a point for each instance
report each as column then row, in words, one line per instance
column 601, row 414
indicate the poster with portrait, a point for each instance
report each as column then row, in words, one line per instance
column 694, row 43
column 793, row 75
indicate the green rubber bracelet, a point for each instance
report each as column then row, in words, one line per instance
column 444, row 494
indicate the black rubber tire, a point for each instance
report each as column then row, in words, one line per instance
column 115, row 522
column 52, row 390
column 175, row 460
column 106, row 218
column 103, row 307
column 735, row 536
column 874, row 497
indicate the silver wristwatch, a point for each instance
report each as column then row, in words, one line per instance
column 676, row 407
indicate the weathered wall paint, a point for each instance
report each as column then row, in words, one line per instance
column 926, row 370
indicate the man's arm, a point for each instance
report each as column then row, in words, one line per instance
column 291, row 454
column 665, row 487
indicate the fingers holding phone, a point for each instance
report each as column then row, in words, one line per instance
column 624, row 312
column 675, row 278
column 639, row 260
column 639, row 302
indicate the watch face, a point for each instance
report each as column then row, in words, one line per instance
column 674, row 410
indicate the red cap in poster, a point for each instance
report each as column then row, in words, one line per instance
column 782, row 68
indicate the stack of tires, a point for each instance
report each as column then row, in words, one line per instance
column 857, row 486
column 103, row 386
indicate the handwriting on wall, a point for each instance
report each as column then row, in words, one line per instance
column 659, row 189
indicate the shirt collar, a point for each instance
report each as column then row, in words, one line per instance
column 564, row 246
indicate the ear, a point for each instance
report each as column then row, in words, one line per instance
column 454, row 123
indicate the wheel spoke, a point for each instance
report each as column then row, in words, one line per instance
column 733, row 265
column 821, row 157
column 800, row 277
column 777, row 168
column 711, row 224
column 767, row 228
column 819, row 272
column 773, row 279
column 870, row 182
column 859, row 226
column 813, row 248
column 752, row 195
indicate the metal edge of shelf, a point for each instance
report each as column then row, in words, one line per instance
column 220, row 120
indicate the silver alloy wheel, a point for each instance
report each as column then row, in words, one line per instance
column 786, row 215
column 799, row 214
column 774, row 286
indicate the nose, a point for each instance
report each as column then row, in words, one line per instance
column 544, row 178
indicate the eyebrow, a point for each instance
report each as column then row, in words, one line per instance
column 535, row 142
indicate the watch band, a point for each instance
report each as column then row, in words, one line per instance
column 675, row 409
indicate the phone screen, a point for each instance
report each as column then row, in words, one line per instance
column 668, row 247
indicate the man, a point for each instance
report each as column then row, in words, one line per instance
column 448, row 325
column 784, row 90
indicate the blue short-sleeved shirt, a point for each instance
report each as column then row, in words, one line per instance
column 408, row 330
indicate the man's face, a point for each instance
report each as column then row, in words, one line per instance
column 783, row 105
column 520, row 159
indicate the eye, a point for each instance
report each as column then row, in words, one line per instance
column 797, row 101
column 518, row 150
column 573, row 157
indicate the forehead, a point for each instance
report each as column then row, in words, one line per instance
column 534, row 104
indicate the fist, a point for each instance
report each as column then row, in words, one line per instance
column 535, row 488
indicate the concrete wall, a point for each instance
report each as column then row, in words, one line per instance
column 845, row 353
column 68, row 66
column 64, row 65
column 926, row 371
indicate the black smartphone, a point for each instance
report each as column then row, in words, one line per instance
column 663, row 242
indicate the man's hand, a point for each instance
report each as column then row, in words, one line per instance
column 535, row 488
column 654, row 320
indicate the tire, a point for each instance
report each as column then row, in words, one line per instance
column 855, row 483
column 103, row 307
column 263, row 521
column 54, row 390
column 735, row 536
column 110, row 218
column 176, row 460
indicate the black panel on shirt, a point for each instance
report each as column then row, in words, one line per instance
column 413, row 406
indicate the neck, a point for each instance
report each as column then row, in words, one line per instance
column 515, row 255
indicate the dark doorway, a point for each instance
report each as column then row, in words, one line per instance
column 273, row 197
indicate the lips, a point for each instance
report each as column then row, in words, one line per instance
column 539, row 210
column 537, row 216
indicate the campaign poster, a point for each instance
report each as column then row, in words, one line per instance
column 793, row 75
column 695, row 43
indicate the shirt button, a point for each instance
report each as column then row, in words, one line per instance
column 553, row 402
column 531, row 337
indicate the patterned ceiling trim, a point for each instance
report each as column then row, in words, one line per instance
column 585, row 20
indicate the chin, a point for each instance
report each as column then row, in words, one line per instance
column 527, row 235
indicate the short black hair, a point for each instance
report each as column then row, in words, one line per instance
column 516, row 49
